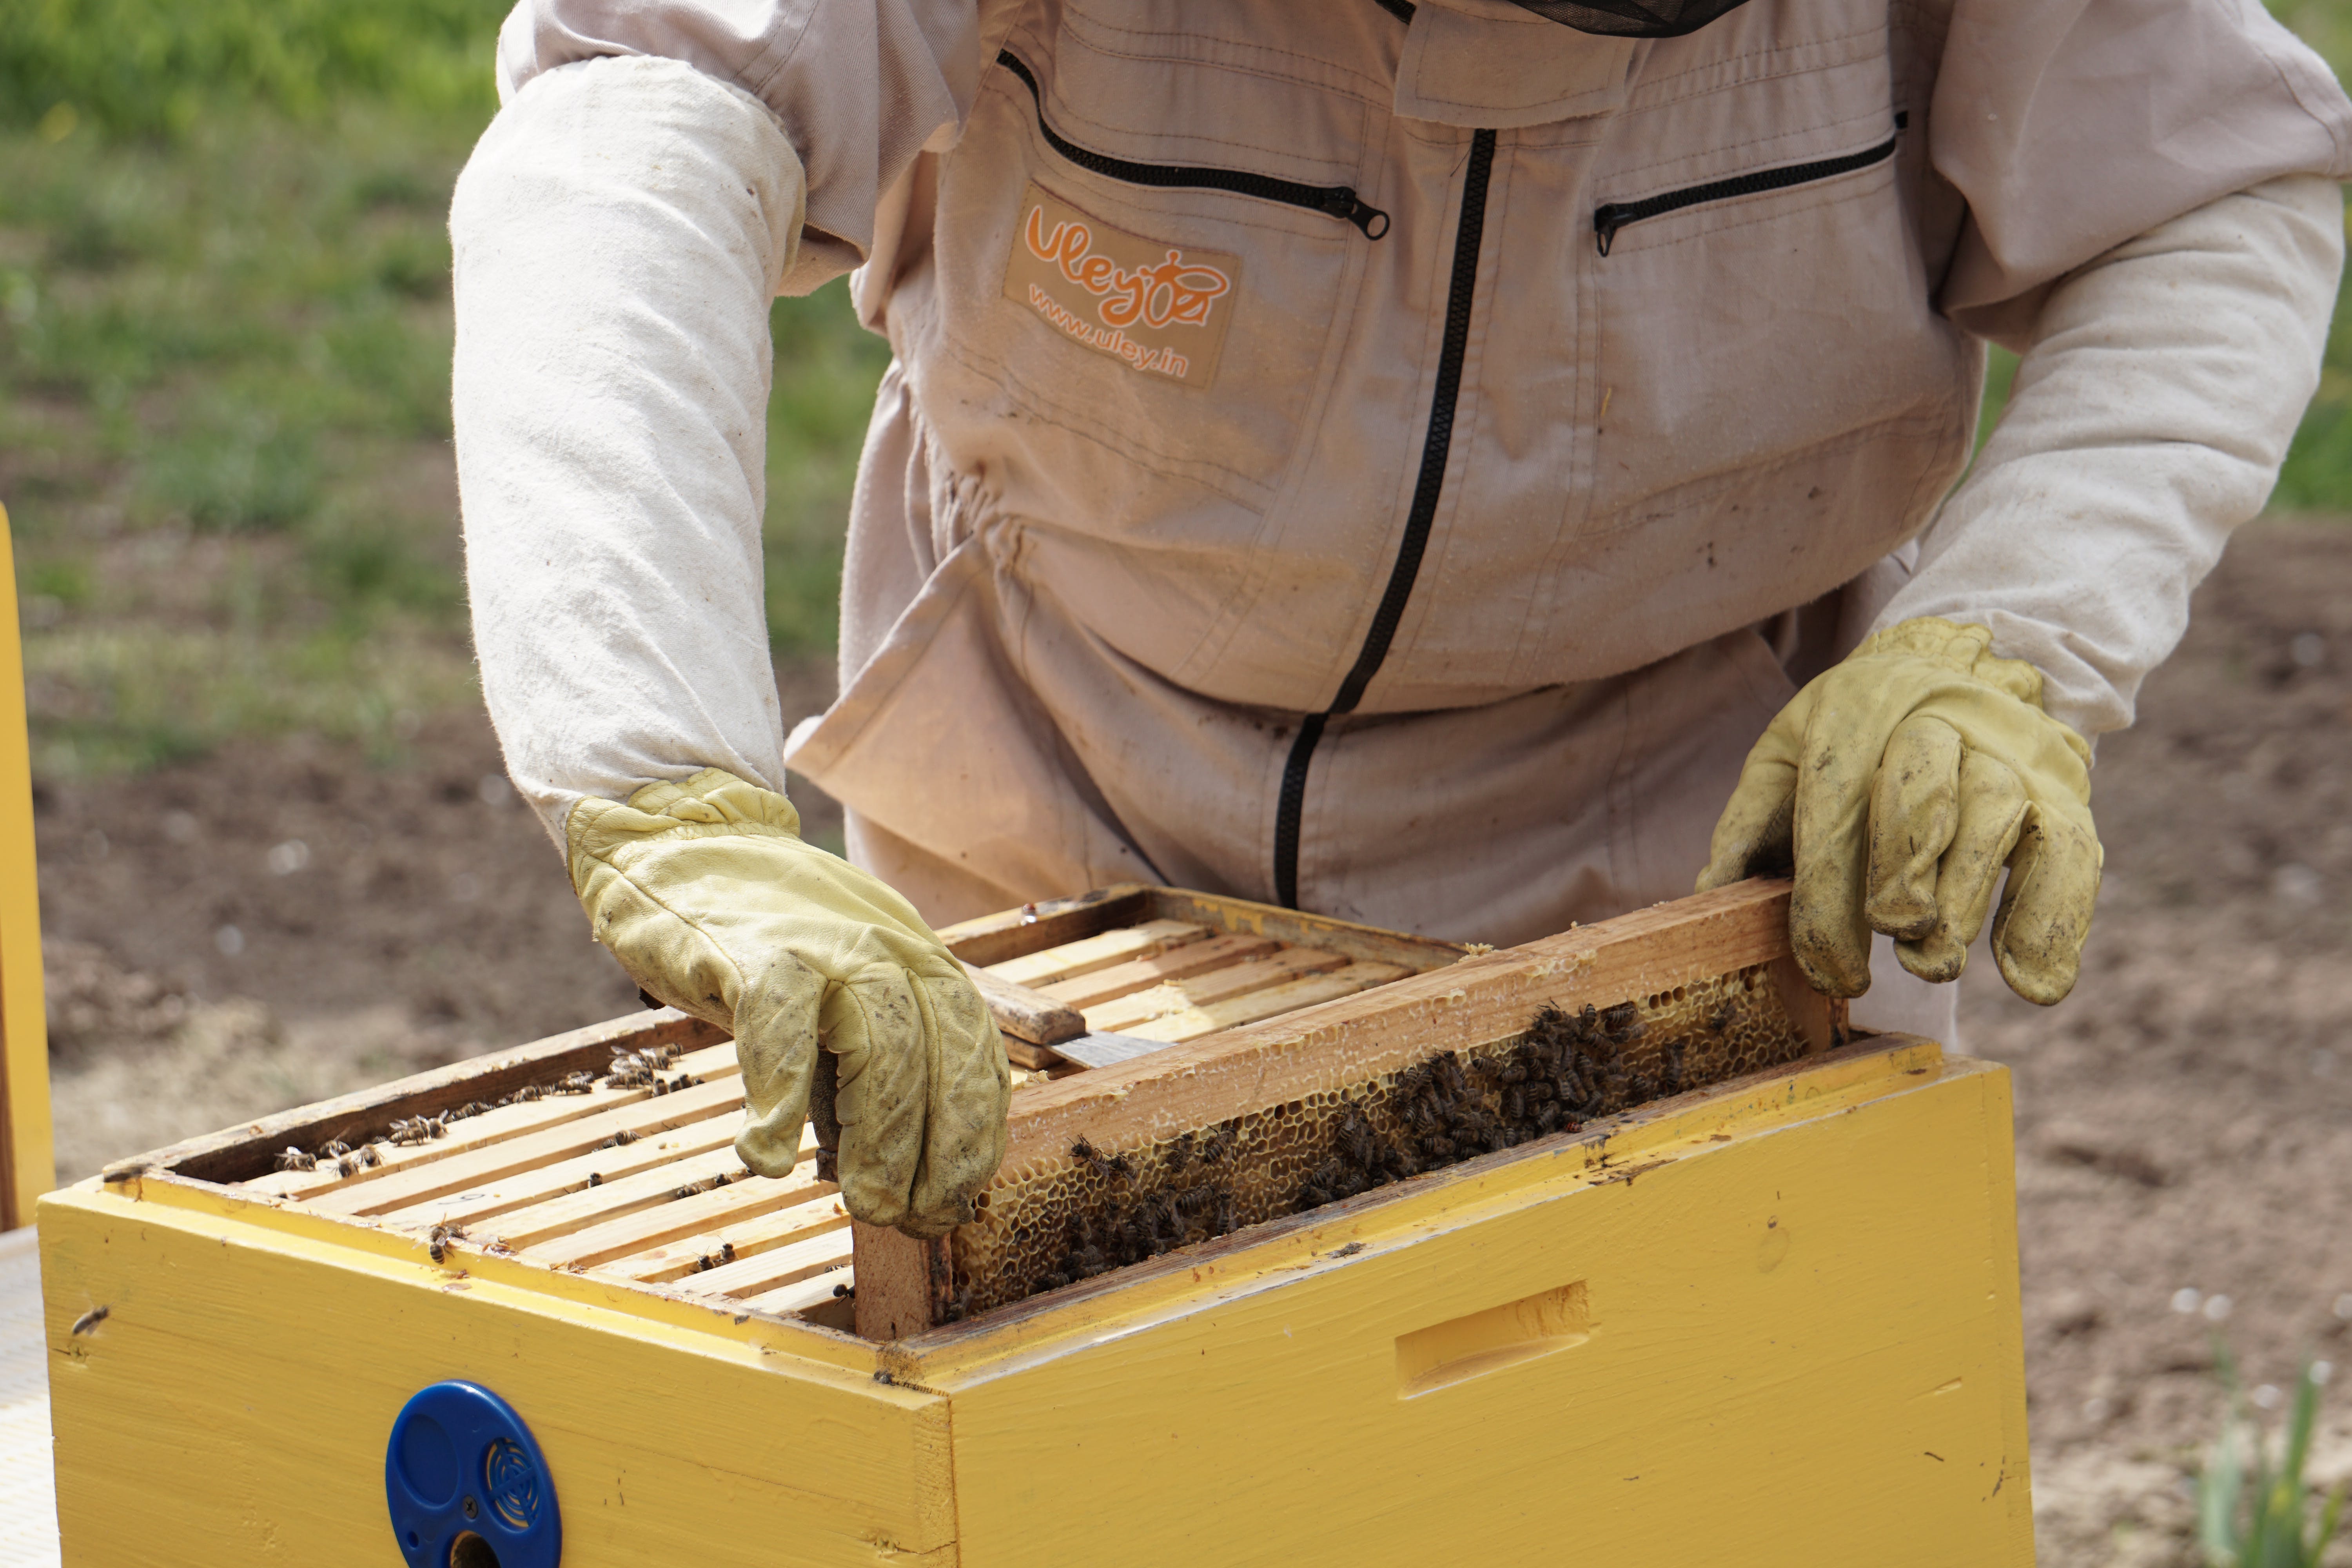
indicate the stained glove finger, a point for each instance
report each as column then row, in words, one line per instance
column 1914, row 808
column 1992, row 815
column 2045, row 910
column 1828, row 931
column 971, row 1089
column 776, row 1022
column 1754, row 835
column 876, row 1029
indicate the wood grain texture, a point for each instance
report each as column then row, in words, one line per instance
column 1346, row 1041
column 1268, row 1002
column 1098, row 951
column 243, row 1153
column 1023, row 1014
column 487, row 1127
column 1790, row 1342
column 1216, row 952
column 1122, row 1013
column 820, row 1246
column 551, row 1223
column 768, row 1230
column 904, row 1285
column 993, row 939
column 28, row 1167
column 232, row 1409
column 673, row 1154
column 629, row 1231
column 533, row 1152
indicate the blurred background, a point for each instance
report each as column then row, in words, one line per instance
column 280, row 859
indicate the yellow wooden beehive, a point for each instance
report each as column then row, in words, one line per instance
column 1770, row 1320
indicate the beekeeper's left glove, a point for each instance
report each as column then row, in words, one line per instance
column 1899, row 782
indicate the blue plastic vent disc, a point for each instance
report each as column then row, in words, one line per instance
column 467, row 1485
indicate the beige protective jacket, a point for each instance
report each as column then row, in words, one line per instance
column 1397, row 468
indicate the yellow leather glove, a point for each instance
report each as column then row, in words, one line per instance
column 1899, row 784
column 705, row 894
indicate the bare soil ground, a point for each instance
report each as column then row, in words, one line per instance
column 2184, row 1121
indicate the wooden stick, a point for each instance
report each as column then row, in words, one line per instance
column 1024, row 1014
column 904, row 1286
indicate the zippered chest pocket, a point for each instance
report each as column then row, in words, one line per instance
column 1149, row 256
column 1609, row 217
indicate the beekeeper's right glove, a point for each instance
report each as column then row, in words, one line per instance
column 711, row 901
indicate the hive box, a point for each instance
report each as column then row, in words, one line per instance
column 1772, row 1321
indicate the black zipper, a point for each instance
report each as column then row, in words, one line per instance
column 1459, row 296
column 1611, row 216
column 1332, row 201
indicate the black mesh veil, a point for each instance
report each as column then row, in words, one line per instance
column 1632, row 18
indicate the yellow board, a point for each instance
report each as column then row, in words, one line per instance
column 1771, row 1324
column 26, row 1167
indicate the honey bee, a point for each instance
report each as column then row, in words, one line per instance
column 575, row 1083
column 436, row 1244
column 845, row 1292
column 619, row 1139
column 527, row 1093
column 293, row 1159
column 367, row 1155
column 90, row 1319
column 333, row 1149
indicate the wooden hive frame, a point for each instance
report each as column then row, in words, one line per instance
column 632, row 1196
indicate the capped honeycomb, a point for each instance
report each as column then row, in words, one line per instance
column 1099, row 1209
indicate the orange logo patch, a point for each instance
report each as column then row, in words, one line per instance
column 1159, row 308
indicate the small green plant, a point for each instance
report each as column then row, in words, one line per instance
column 2250, row 1514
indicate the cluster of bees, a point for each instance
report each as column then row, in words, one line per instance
column 630, row 1069
column 1144, row 1224
column 726, row 1254
column 1569, row 1067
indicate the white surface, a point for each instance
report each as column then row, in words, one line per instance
column 28, row 1502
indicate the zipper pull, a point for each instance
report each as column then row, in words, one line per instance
column 1607, row 219
column 1342, row 202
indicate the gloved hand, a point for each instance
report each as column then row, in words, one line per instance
column 1898, row 783
column 705, row 894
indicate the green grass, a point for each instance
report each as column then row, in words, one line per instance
column 224, row 373
column 224, row 333
column 2254, row 1509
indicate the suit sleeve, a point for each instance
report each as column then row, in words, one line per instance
column 2158, row 390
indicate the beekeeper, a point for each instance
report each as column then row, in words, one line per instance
column 1395, row 459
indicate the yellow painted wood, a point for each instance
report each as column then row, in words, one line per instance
column 1792, row 1340
column 653, row 1302
column 28, row 1167
column 232, row 1409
